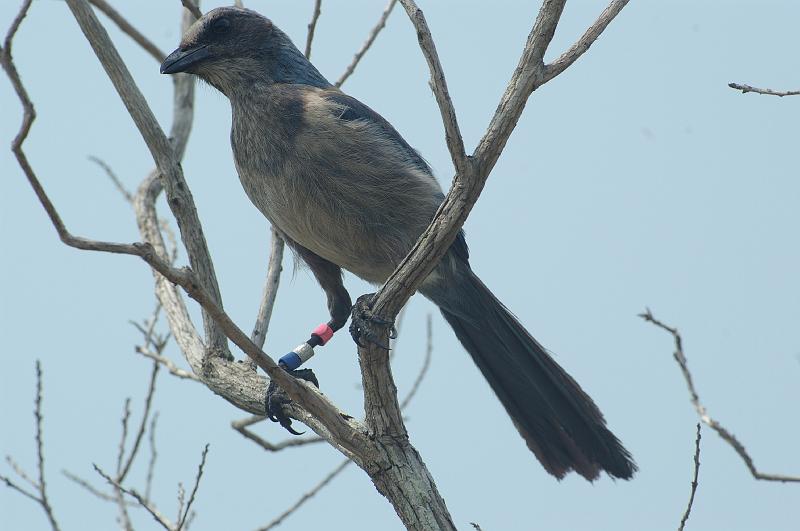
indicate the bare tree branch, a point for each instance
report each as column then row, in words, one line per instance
column 312, row 26
column 242, row 425
column 119, row 496
column 439, row 86
column 702, row 412
column 426, row 363
column 373, row 34
column 40, row 449
column 89, row 487
column 128, row 28
column 13, row 486
column 154, row 512
column 169, row 364
column 341, row 466
column 747, row 88
column 270, row 289
column 40, row 485
column 113, row 176
column 307, row 496
column 179, row 197
column 151, row 465
column 192, row 8
column 471, row 175
column 694, row 480
column 587, row 39
column 18, row 470
column 123, row 472
column 197, row 479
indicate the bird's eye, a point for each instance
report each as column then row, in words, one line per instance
column 221, row 25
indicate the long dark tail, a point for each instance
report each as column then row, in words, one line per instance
column 559, row 422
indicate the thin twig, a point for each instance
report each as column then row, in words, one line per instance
column 119, row 497
column 13, row 486
column 769, row 92
column 197, row 478
column 151, row 465
column 305, row 497
column 312, row 26
column 148, row 402
column 703, row 412
column 193, row 9
column 169, row 364
column 242, row 425
column 587, row 39
column 160, row 518
column 128, row 28
column 426, row 363
column 455, row 143
column 18, row 470
column 181, row 501
column 40, row 448
column 270, row 292
column 694, row 480
column 373, row 34
column 126, row 415
column 40, row 486
column 89, row 487
column 114, row 179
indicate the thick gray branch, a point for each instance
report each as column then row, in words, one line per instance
column 179, row 197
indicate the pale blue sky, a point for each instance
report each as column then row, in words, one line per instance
column 637, row 178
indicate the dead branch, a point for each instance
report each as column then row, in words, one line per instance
column 197, row 479
column 341, row 466
column 179, row 197
column 307, row 496
column 270, row 292
column 694, row 480
column 123, row 472
column 472, row 172
column 128, row 28
column 154, row 512
column 40, row 486
column 702, row 412
column 769, row 92
column 312, row 26
column 373, row 34
column 192, row 8
column 242, row 425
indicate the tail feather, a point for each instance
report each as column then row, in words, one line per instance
column 559, row 422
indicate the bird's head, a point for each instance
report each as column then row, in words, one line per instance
column 231, row 47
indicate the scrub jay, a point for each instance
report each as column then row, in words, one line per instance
column 348, row 191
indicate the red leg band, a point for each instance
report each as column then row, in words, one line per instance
column 324, row 332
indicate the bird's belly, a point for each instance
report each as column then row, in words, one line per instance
column 367, row 250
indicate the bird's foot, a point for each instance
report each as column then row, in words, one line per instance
column 363, row 318
column 277, row 399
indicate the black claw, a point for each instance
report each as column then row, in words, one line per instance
column 277, row 398
column 362, row 317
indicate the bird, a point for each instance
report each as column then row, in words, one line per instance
column 348, row 192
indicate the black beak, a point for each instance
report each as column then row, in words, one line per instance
column 183, row 60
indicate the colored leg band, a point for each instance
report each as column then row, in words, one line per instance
column 323, row 332
column 298, row 356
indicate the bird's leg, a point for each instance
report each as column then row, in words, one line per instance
column 362, row 319
column 329, row 276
